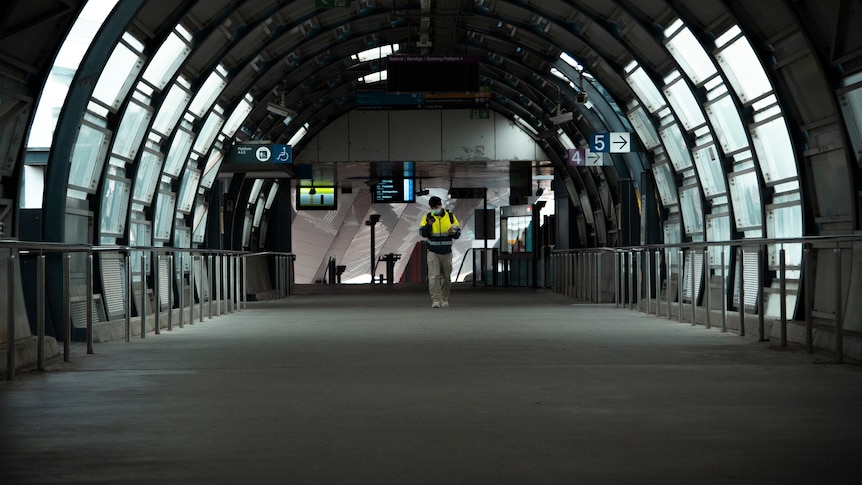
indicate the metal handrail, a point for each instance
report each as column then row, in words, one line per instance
column 578, row 269
column 228, row 272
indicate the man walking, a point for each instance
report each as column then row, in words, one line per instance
column 440, row 227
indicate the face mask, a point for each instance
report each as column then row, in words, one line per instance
column 437, row 212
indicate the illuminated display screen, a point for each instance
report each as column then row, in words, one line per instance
column 393, row 191
column 324, row 198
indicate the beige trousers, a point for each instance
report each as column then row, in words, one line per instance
column 439, row 275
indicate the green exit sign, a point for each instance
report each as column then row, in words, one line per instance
column 331, row 3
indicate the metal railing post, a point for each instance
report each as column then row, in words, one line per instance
column 839, row 323
column 157, row 293
column 10, row 317
column 761, row 303
column 669, row 272
column 200, row 280
column 40, row 313
column 143, row 294
column 67, row 317
column 741, row 291
column 243, row 292
column 808, row 289
column 89, row 280
column 782, row 284
column 129, row 294
column 631, row 276
column 723, row 291
column 210, row 279
column 693, row 252
column 617, row 278
column 191, row 288
column 182, row 287
column 171, row 277
column 679, row 289
column 706, row 287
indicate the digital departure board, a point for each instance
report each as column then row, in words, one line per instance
column 323, row 198
column 393, row 191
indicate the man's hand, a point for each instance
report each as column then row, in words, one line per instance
column 430, row 219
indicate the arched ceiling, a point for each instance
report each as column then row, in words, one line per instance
column 303, row 50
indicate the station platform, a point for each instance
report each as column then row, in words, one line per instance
column 369, row 384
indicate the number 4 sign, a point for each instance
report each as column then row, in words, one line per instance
column 582, row 157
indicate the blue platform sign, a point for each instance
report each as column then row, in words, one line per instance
column 282, row 154
column 614, row 142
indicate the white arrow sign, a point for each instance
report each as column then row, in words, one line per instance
column 620, row 142
column 595, row 159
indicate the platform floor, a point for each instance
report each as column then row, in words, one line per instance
column 371, row 385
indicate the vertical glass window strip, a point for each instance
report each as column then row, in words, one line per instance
column 784, row 222
column 179, row 152
column 645, row 90
column 644, row 128
column 118, row 76
column 300, row 133
column 727, row 124
column 684, row 104
column 774, row 150
column 115, row 204
column 255, row 190
column 745, row 199
column 132, row 129
column 246, row 230
column 88, row 157
column 207, row 94
column 171, row 110
column 676, row 147
column 74, row 47
column 673, row 235
column 238, row 116
column 212, row 167
column 691, row 208
column 188, row 189
column 258, row 212
column 164, row 216
column 208, row 133
column 199, row 224
column 691, row 57
column 665, row 183
column 740, row 64
column 710, row 171
column 718, row 229
column 140, row 233
column 168, row 59
column 147, row 176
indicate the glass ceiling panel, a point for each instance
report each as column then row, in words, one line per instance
column 727, row 124
column 238, row 116
column 146, row 179
column 774, row 150
column 644, row 128
column 676, row 147
column 132, row 129
column 645, row 89
column 75, row 46
column 171, row 110
column 745, row 199
column 665, row 183
column 709, row 171
column 167, row 60
column 179, row 152
column 744, row 71
column 212, row 167
column 691, row 209
column 88, row 157
column 118, row 76
column 691, row 57
column 207, row 94
column 208, row 133
column 684, row 104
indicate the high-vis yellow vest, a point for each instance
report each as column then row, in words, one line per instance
column 439, row 240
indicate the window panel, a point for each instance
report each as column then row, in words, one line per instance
column 676, row 147
column 207, row 94
column 115, row 204
column 237, row 117
column 132, row 129
column 744, row 71
column 710, row 171
column 147, row 178
column 212, row 168
column 164, row 216
column 88, row 157
column 140, row 233
column 774, row 150
column 727, row 124
column 644, row 128
column 691, row 56
column 179, row 152
column 200, row 222
column 718, row 228
column 171, row 110
column 665, row 183
column 746, row 201
column 684, row 104
column 188, row 189
column 118, row 76
column 208, row 133
column 692, row 210
column 258, row 212
column 167, row 60
column 645, row 90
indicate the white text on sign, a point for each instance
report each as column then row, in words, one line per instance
column 613, row 142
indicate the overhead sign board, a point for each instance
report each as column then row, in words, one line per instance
column 583, row 157
column 613, row 142
column 257, row 153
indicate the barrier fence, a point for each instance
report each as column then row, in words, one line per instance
column 135, row 282
column 705, row 282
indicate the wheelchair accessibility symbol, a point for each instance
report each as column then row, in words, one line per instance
column 282, row 153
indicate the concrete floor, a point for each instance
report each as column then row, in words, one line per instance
column 371, row 385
